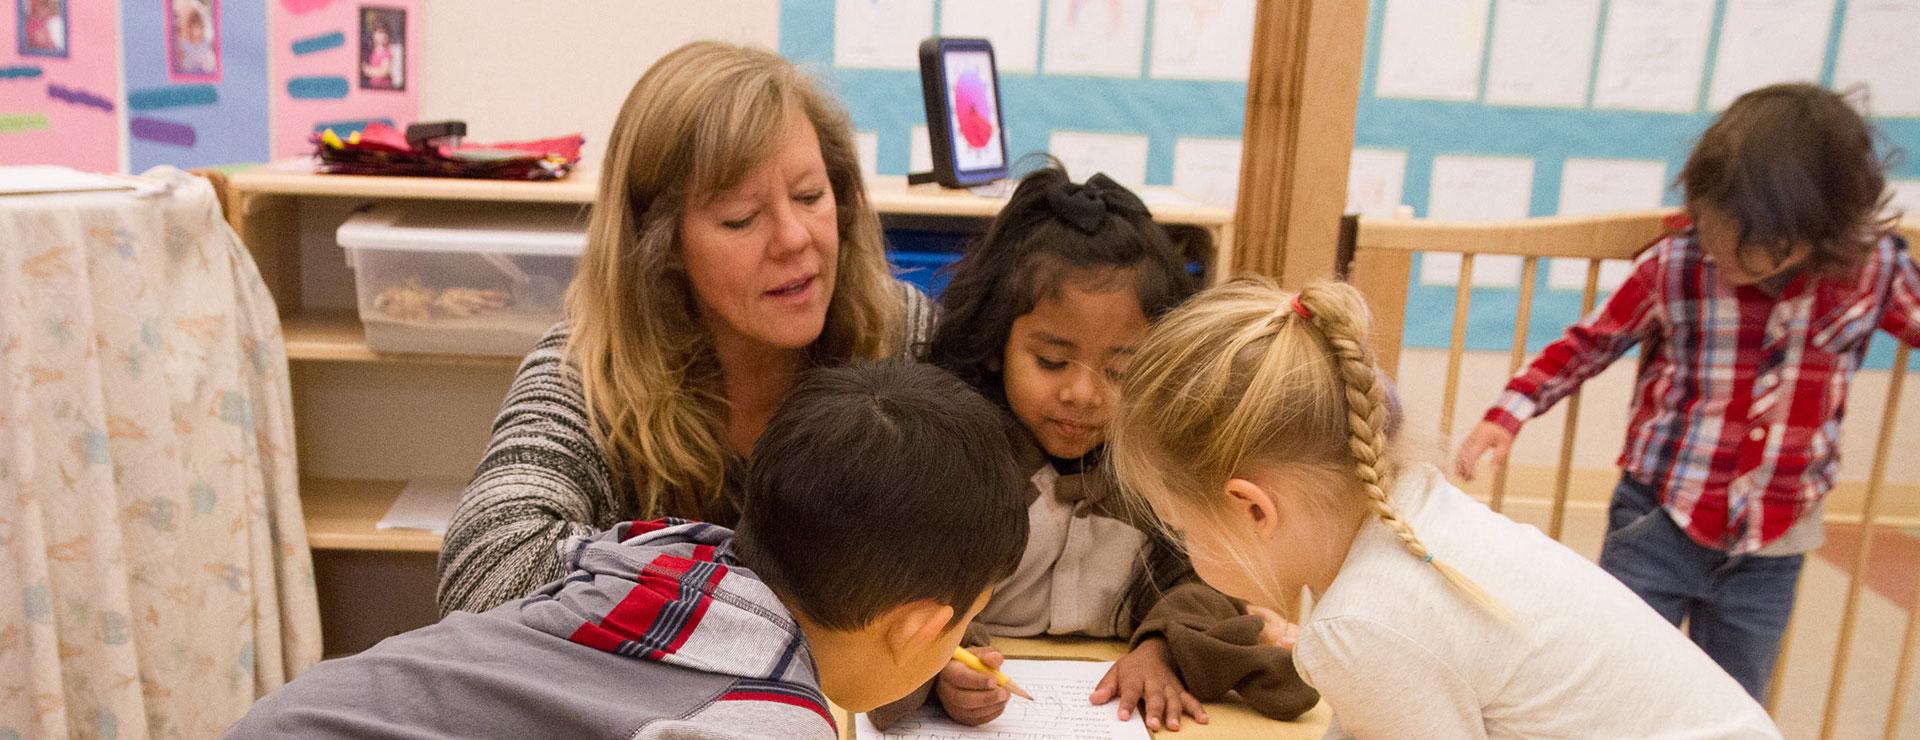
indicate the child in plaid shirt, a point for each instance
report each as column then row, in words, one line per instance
column 1752, row 320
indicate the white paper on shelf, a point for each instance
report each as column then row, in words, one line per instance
column 36, row 179
column 1877, row 50
column 880, row 34
column 1012, row 25
column 1431, row 49
column 919, row 150
column 1767, row 41
column 426, row 504
column 1542, row 52
column 1653, row 55
column 1122, row 157
column 866, row 146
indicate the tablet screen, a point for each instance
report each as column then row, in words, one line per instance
column 975, row 105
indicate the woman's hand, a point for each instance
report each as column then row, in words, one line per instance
column 1146, row 674
column 970, row 697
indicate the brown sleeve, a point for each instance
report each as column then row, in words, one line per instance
column 1216, row 648
column 884, row 716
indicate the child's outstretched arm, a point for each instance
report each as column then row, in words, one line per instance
column 1587, row 348
column 1902, row 317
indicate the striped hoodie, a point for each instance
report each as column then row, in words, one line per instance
column 656, row 632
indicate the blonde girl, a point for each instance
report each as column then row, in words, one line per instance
column 1255, row 424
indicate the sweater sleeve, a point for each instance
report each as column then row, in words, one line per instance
column 885, row 716
column 916, row 319
column 543, row 479
column 1216, row 648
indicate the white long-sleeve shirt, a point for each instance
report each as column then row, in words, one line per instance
column 1396, row 652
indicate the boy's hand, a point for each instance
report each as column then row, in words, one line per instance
column 1487, row 437
column 970, row 697
column 1147, row 674
column 1275, row 630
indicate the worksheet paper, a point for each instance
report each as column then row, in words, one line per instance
column 1768, row 41
column 1654, row 54
column 1431, row 49
column 1542, row 52
column 1059, row 710
column 1012, row 25
column 1876, row 49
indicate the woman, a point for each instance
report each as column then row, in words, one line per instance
column 731, row 249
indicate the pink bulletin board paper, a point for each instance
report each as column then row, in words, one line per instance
column 304, row 85
column 62, row 110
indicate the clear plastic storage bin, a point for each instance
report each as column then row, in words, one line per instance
column 461, row 278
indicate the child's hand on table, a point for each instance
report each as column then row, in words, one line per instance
column 1146, row 674
column 970, row 697
column 1487, row 437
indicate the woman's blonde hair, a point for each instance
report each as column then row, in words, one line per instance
column 694, row 125
column 1248, row 376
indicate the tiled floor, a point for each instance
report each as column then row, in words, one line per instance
column 1885, row 599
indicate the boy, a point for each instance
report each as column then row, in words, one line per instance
column 1754, row 321
column 881, row 505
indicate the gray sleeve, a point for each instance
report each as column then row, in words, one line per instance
column 543, row 479
column 917, row 316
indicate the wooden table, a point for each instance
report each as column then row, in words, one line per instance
column 1228, row 719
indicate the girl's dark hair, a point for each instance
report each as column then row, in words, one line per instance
column 1793, row 163
column 1054, row 231
column 1049, row 234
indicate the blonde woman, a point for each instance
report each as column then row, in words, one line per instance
column 1255, row 423
column 732, row 248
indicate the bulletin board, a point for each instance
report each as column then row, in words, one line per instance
column 1476, row 109
column 196, row 77
column 59, row 83
column 1147, row 92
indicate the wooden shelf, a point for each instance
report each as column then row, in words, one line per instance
column 341, row 515
column 338, row 336
column 891, row 195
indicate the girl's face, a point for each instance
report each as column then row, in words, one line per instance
column 1263, row 538
column 380, row 36
column 1062, row 358
column 761, row 257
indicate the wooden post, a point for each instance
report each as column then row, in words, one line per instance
column 1301, row 92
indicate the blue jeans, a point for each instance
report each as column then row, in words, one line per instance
column 1736, row 607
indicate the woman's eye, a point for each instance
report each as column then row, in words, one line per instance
column 1046, row 364
column 811, row 198
column 738, row 223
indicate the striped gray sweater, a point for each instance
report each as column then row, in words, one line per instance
column 544, row 479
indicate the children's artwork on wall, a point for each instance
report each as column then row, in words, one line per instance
column 196, row 83
column 59, row 81
column 43, row 28
column 193, row 40
column 341, row 65
column 382, row 48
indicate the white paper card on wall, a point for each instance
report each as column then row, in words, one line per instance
column 1906, row 198
column 1012, row 25
column 866, row 146
column 1469, row 188
column 1590, row 186
column 1431, row 49
column 1122, row 157
column 1542, row 52
column 1207, row 170
column 1653, row 55
column 880, row 34
column 1767, row 41
column 1877, row 50
column 1374, row 181
column 1103, row 39
column 1202, row 39
column 919, row 150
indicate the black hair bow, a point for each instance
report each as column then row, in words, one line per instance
column 1086, row 207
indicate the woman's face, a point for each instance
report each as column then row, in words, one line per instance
column 761, row 256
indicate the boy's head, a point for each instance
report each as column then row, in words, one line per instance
column 881, row 506
column 1786, row 181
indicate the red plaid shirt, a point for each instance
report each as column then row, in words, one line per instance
column 1737, row 408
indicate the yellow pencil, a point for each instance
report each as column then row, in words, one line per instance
column 968, row 659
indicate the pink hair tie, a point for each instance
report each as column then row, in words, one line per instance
column 1301, row 308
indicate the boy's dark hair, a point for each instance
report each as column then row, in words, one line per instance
column 1048, row 235
column 881, row 484
column 1792, row 163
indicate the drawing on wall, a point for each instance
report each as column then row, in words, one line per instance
column 1202, row 39
column 1095, row 37
column 193, row 40
column 880, row 34
column 43, row 27
column 383, row 48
